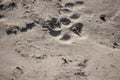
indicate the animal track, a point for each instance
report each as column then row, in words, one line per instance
column 68, row 18
column 76, row 28
column 65, row 37
column 68, row 70
column 69, row 5
column 75, row 16
column 9, row 5
column 14, row 29
column 54, row 33
column 17, row 73
column 28, row 26
column 79, row 2
column 65, row 21
column 52, row 24
column 103, row 18
column 65, row 11
column 11, row 29
column 2, row 16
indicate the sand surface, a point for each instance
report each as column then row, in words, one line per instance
column 59, row 39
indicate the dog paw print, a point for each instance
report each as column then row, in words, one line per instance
column 14, row 29
column 67, row 23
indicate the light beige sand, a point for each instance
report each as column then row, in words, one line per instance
column 59, row 40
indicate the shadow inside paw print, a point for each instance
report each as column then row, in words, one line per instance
column 11, row 29
column 65, row 11
column 2, row 16
column 11, row 32
column 80, row 74
column 14, row 29
column 9, row 6
column 75, row 16
column 54, row 33
column 65, row 21
column 103, row 18
column 65, row 37
column 23, row 30
column 76, row 28
column 79, row 2
column 69, row 4
column 28, row 26
column 51, row 25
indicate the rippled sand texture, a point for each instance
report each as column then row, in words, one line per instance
column 59, row 40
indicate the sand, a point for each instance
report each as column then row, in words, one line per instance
column 59, row 40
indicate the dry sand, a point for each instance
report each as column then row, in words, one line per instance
column 59, row 39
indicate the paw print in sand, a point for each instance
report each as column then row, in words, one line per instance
column 67, row 23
